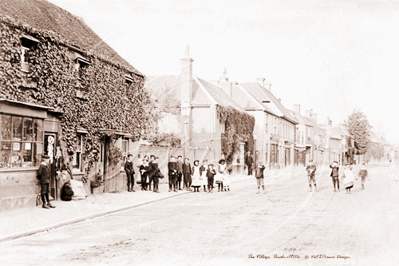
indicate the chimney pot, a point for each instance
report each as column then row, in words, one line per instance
column 297, row 108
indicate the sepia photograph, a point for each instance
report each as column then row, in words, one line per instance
column 196, row 133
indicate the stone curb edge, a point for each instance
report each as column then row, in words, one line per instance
column 91, row 216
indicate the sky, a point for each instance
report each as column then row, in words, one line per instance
column 328, row 56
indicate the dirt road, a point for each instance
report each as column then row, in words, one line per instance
column 287, row 226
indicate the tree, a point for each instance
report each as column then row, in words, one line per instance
column 359, row 127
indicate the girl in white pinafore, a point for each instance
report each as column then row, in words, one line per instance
column 196, row 176
column 219, row 177
column 204, row 178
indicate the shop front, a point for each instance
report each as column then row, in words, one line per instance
column 27, row 132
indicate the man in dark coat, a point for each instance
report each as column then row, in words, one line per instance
column 335, row 174
column 44, row 175
column 248, row 162
column 129, row 169
column 179, row 171
column 172, row 167
column 155, row 174
column 187, row 174
column 151, row 171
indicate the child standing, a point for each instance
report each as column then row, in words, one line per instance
column 44, row 174
column 220, row 174
column 196, row 176
column 226, row 180
column 311, row 169
column 210, row 173
column 363, row 173
column 348, row 178
column 260, row 178
column 335, row 175
column 203, row 170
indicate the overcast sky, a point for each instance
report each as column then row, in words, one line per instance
column 329, row 56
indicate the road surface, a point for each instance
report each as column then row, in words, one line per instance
column 287, row 226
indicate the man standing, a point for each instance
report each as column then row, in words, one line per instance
column 44, row 174
column 248, row 162
column 179, row 170
column 187, row 174
column 129, row 169
column 172, row 166
column 151, row 171
column 311, row 169
column 156, row 174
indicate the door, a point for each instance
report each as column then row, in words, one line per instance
column 50, row 142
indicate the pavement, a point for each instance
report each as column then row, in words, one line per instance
column 23, row 222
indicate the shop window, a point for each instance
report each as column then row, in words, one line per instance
column 77, row 161
column 21, row 141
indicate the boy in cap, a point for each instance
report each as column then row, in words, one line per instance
column 172, row 167
column 311, row 169
column 260, row 180
column 335, row 175
column 44, row 175
column 179, row 171
column 129, row 173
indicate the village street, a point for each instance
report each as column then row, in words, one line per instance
column 238, row 227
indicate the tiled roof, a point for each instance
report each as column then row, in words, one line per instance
column 248, row 101
column 43, row 15
column 265, row 95
column 301, row 119
column 159, row 86
column 218, row 94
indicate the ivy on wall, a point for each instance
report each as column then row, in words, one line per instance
column 239, row 128
column 109, row 102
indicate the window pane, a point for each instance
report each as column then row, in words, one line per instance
column 37, row 153
column 16, row 154
column 28, row 129
column 76, row 160
column 16, row 128
column 5, row 155
column 6, row 127
column 27, row 160
column 38, row 130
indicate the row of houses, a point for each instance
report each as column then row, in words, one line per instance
column 67, row 94
column 282, row 136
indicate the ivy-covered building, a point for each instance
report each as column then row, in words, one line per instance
column 65, row 93
column 215, row 121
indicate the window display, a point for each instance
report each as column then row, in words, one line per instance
column 21, row 141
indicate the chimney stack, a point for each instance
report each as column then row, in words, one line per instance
column 226, row 85
column 297, row 108
column 261, row 81
column 186, row 77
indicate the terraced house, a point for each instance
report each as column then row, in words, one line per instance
column 64, row 93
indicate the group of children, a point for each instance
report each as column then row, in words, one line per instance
column 347, row 176
column 198, row 176
column 193, row 177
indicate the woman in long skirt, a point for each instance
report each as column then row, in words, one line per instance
column 349, row 178
column 196, row 176
column 203, row 169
